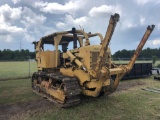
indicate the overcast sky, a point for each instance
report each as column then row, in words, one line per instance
column 24, row 21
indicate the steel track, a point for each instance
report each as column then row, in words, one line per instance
column 72, row 89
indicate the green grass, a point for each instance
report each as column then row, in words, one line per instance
column 131, row 104
column 157, row 62
column 15, row 91
column 137, row 61
column 126, row 61
column 10, row 70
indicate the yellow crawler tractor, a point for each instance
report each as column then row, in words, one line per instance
column 63, row 75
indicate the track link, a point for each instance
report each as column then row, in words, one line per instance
column 70, row 85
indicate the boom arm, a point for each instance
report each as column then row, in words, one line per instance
column 112, row 24
column 140, row 46
column 122, row 70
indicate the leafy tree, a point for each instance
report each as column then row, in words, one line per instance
column 9, row 55
column 146, row 53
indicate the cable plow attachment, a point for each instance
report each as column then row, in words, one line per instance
column 140, row 46
column 121, row 70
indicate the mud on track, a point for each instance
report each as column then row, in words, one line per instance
column 13, row 111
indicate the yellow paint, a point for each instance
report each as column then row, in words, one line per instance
column 47, row 59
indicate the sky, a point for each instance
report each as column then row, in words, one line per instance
column 25, row 21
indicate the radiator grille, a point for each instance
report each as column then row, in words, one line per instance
column 94, row 57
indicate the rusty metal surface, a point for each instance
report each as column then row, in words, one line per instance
column 71, row 88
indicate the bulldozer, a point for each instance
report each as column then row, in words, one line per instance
column 64, row 76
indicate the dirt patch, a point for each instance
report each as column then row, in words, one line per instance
column 7, row 111
column 32, row 107
column 125, row 85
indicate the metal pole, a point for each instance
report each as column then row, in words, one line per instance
column 29, row 66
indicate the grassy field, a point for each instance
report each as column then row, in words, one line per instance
column 126, row 61
column 138, row 61
column 130, row 102
column 15, row 91
column 10, row 70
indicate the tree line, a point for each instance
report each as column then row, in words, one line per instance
column 146, row 53
column 17, row 55
column 22, row 55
